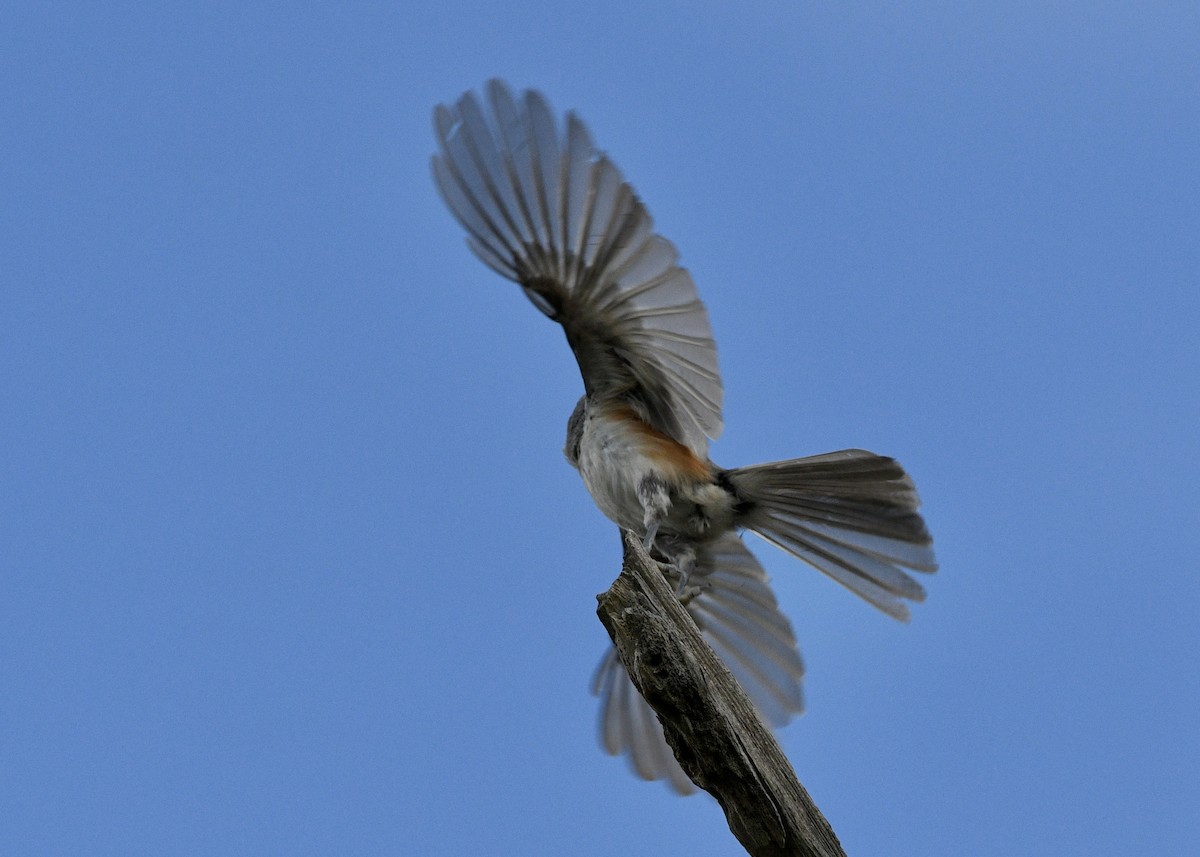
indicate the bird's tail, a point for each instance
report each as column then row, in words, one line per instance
column 851, row 514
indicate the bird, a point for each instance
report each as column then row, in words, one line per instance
column 543, row 207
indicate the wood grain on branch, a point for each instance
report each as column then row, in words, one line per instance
column 714, row 730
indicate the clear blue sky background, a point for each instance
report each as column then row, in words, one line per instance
column 291, row 563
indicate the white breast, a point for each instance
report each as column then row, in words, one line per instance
column 613, row 463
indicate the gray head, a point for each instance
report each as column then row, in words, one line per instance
column 575, row 432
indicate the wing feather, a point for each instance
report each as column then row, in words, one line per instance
column 544, row 208
column 737, row 614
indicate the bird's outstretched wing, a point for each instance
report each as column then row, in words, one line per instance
column 545, row 209
column 738, row 616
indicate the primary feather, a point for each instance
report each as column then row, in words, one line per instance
column 545, row 209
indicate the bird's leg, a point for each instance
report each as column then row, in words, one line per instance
column 685, row 564
column 677, row 559
column 655, row 498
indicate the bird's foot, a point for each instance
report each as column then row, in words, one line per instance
column 651, row 532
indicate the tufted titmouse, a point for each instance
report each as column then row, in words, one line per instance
column 544, row 208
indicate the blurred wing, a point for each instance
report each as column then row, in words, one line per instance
column 738, row 616
column 550, row 212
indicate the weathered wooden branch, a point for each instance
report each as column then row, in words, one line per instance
column 714, row 730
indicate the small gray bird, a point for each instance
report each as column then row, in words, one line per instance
column 545, row 209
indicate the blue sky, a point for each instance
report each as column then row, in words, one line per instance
column 292, row 563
